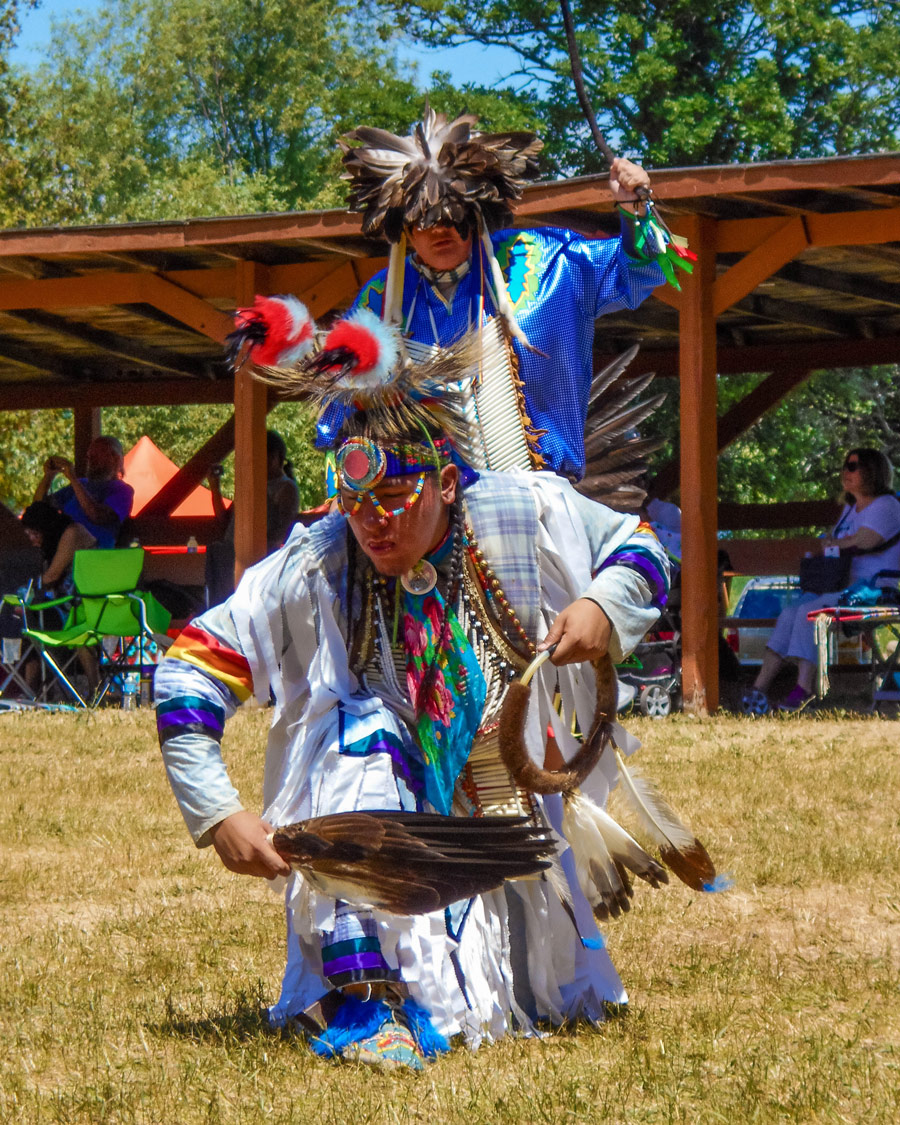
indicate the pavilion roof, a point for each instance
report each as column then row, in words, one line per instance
column 136, row 312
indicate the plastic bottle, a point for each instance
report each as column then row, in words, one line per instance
column 131, row 683
column 192, row 545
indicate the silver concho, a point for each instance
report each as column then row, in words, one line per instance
column 421, row 579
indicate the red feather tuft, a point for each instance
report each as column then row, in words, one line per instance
column 354, row 337
column 275, row 328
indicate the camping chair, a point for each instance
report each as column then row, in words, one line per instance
column 106, row 604
column 20, row 567
column 879, row 625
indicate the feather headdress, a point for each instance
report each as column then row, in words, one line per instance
column 360, row 364
column 443, row 172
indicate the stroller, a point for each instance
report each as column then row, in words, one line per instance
column 654, row 669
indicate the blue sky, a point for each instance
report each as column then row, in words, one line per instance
column 486, row 66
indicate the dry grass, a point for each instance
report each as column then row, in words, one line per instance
column 133, row 968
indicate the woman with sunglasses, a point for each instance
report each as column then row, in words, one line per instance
column 871, row 516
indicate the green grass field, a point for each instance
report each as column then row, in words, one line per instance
column 133, row 968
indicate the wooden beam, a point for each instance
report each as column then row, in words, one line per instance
column 754, row 405
column 185, row 307
column 111, row 344
column 860, row 285
column 584, row 192
column 779, row 311
column 72, row 292
column 249, row 448
column 783, row 517
column 840, row 228
column 735, row 422
column 40, row 394
column 673, row 184
column 764, row 260
column 817, row 355
column 87, row 422
column 339, row 287
column 29, row 356
column 699, row 613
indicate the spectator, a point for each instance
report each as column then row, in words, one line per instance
column 282, row 495
column 100, row 501
column 871, row 516
column 58, row 537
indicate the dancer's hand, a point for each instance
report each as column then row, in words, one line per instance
column 625, row 178
column 581, row 632
column 242, row 843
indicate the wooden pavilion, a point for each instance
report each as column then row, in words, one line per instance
column 799, row 269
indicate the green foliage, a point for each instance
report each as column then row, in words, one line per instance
column 151, row 109
column 28, row 438
column 695, row 81
column 794, row 452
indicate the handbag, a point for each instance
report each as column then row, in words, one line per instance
column 821, row 574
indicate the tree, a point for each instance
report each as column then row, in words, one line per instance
column 794, row 452
column 154, row 109
column 686, row 82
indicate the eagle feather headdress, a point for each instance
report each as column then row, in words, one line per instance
column 442, row 172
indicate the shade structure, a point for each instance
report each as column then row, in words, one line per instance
column 147, row 469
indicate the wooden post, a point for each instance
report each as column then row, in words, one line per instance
column 699, row 488
column 87, row 421
column 249, row 448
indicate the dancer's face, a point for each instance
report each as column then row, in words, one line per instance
column 440, row 247
column 396, row 543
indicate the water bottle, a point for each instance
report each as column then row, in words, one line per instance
column 192, row 545
column 131, row 683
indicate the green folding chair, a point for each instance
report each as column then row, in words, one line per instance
column 106, row 603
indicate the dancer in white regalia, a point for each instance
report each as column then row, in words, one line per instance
column 391, row 636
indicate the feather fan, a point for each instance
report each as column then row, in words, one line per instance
column 678, row 846
column 412, row 863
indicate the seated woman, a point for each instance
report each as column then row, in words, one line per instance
column 871, row 516
column 58, row 537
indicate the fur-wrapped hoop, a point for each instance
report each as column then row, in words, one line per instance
column 443, row 172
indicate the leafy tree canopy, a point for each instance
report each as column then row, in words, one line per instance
column 686, row 82
column 795, row 451
column 155, row 109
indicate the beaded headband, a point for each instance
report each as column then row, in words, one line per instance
column 362, row 464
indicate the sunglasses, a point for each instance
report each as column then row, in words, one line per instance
column 851, row 466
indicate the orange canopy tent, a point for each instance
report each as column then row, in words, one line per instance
column 147, row 469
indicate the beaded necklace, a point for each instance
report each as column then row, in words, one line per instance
column 502, row 649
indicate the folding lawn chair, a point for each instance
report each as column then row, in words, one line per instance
column 106, row 604
column 20, row 569
column 879, row 624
